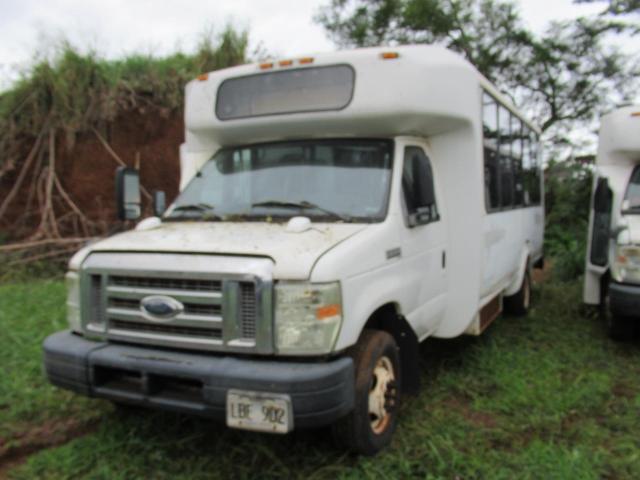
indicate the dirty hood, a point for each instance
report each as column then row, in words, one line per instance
column 294, row 254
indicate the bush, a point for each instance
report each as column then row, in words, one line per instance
column 567, row 197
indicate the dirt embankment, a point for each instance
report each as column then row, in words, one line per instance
column 86, row 170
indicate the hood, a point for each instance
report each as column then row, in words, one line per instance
column 293, row 253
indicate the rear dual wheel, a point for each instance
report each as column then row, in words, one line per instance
column 370, row 426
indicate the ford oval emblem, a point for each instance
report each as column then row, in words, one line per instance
column 161, row 307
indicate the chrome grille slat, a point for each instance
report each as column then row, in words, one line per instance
column 161, row 328
column 166, row 283
column 213, row 322
column 182, row 295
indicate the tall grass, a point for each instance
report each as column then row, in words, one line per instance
column 74, row 91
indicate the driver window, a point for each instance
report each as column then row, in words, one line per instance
column 418, row 187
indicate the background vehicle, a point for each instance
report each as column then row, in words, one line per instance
column 334, row 212
column 612, row 278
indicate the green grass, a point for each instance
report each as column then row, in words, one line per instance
column 546, row 396
column 28, row 313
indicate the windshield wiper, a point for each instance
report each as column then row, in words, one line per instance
column 194, row 206
column 303, row 205
column 198, row 207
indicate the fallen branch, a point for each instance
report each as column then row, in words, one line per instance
column 115, row 156
column 23, row 172
column 41, row 243
column 43, row 256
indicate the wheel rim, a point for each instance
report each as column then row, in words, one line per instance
column 527, row 292
column 381, row 394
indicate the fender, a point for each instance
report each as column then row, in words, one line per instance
column 523, row 267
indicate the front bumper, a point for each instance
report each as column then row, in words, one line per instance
column 624, row 299
column 196, row 383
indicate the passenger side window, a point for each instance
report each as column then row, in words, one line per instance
column 512, row 170
column 418, row 187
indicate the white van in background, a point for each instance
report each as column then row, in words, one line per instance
column 334, row 212
column 612, row 278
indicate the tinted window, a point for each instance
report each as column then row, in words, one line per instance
column 286, row 91
column 516, row 154
column 491, row 162
column 632, row 196
column 512, row 175
column 418, row 184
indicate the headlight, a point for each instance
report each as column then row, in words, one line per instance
column 307, row 317
column 73, row 301
column 626, row 264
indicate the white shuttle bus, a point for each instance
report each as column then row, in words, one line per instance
column 612, row 278
column 334, row 212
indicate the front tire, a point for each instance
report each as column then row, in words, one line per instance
column 370, row 426
column 619, row 328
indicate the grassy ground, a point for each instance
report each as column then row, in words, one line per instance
column 546, row 396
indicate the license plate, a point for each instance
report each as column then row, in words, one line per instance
column 261, row 412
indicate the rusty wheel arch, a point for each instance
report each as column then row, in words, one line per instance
column 388, row 319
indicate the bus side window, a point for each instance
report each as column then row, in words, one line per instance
column 490, row 144
column 516, row 154
column 506, row 160
column 418, row 187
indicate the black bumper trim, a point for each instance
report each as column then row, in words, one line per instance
column 624, row 299
column 196, row 383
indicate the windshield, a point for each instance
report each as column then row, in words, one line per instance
column 632, row 197
column 330, row 180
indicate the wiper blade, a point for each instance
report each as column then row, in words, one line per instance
column 194, row 206
column 205, row 208
column 303, row 205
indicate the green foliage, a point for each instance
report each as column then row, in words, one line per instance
column 567, row 201
column 74, row 91
column 544, row 396
column 29, row 312
column 564, row 78
column 617, row 7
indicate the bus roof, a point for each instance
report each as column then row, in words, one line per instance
column 619, row 137
column 406, row 90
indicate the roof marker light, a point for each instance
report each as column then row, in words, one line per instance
column 389, row 55
column 285, row 63
column 306, row 60
column 202, row 77
column 264, row 66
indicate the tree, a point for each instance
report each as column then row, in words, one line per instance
column 617, row 7
column 565, row 78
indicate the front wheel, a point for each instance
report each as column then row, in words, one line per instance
column 370, row 426
column 619, row 328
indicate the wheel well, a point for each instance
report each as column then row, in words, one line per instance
column 387, row 318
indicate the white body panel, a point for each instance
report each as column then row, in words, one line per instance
column 618, row 155
column 429, row 97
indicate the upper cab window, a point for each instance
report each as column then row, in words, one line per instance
column 631, row 203
column 418, row 187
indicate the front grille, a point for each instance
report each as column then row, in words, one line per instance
column 202, row 310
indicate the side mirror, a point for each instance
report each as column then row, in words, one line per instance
column 159, row 203
column 128, row 202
